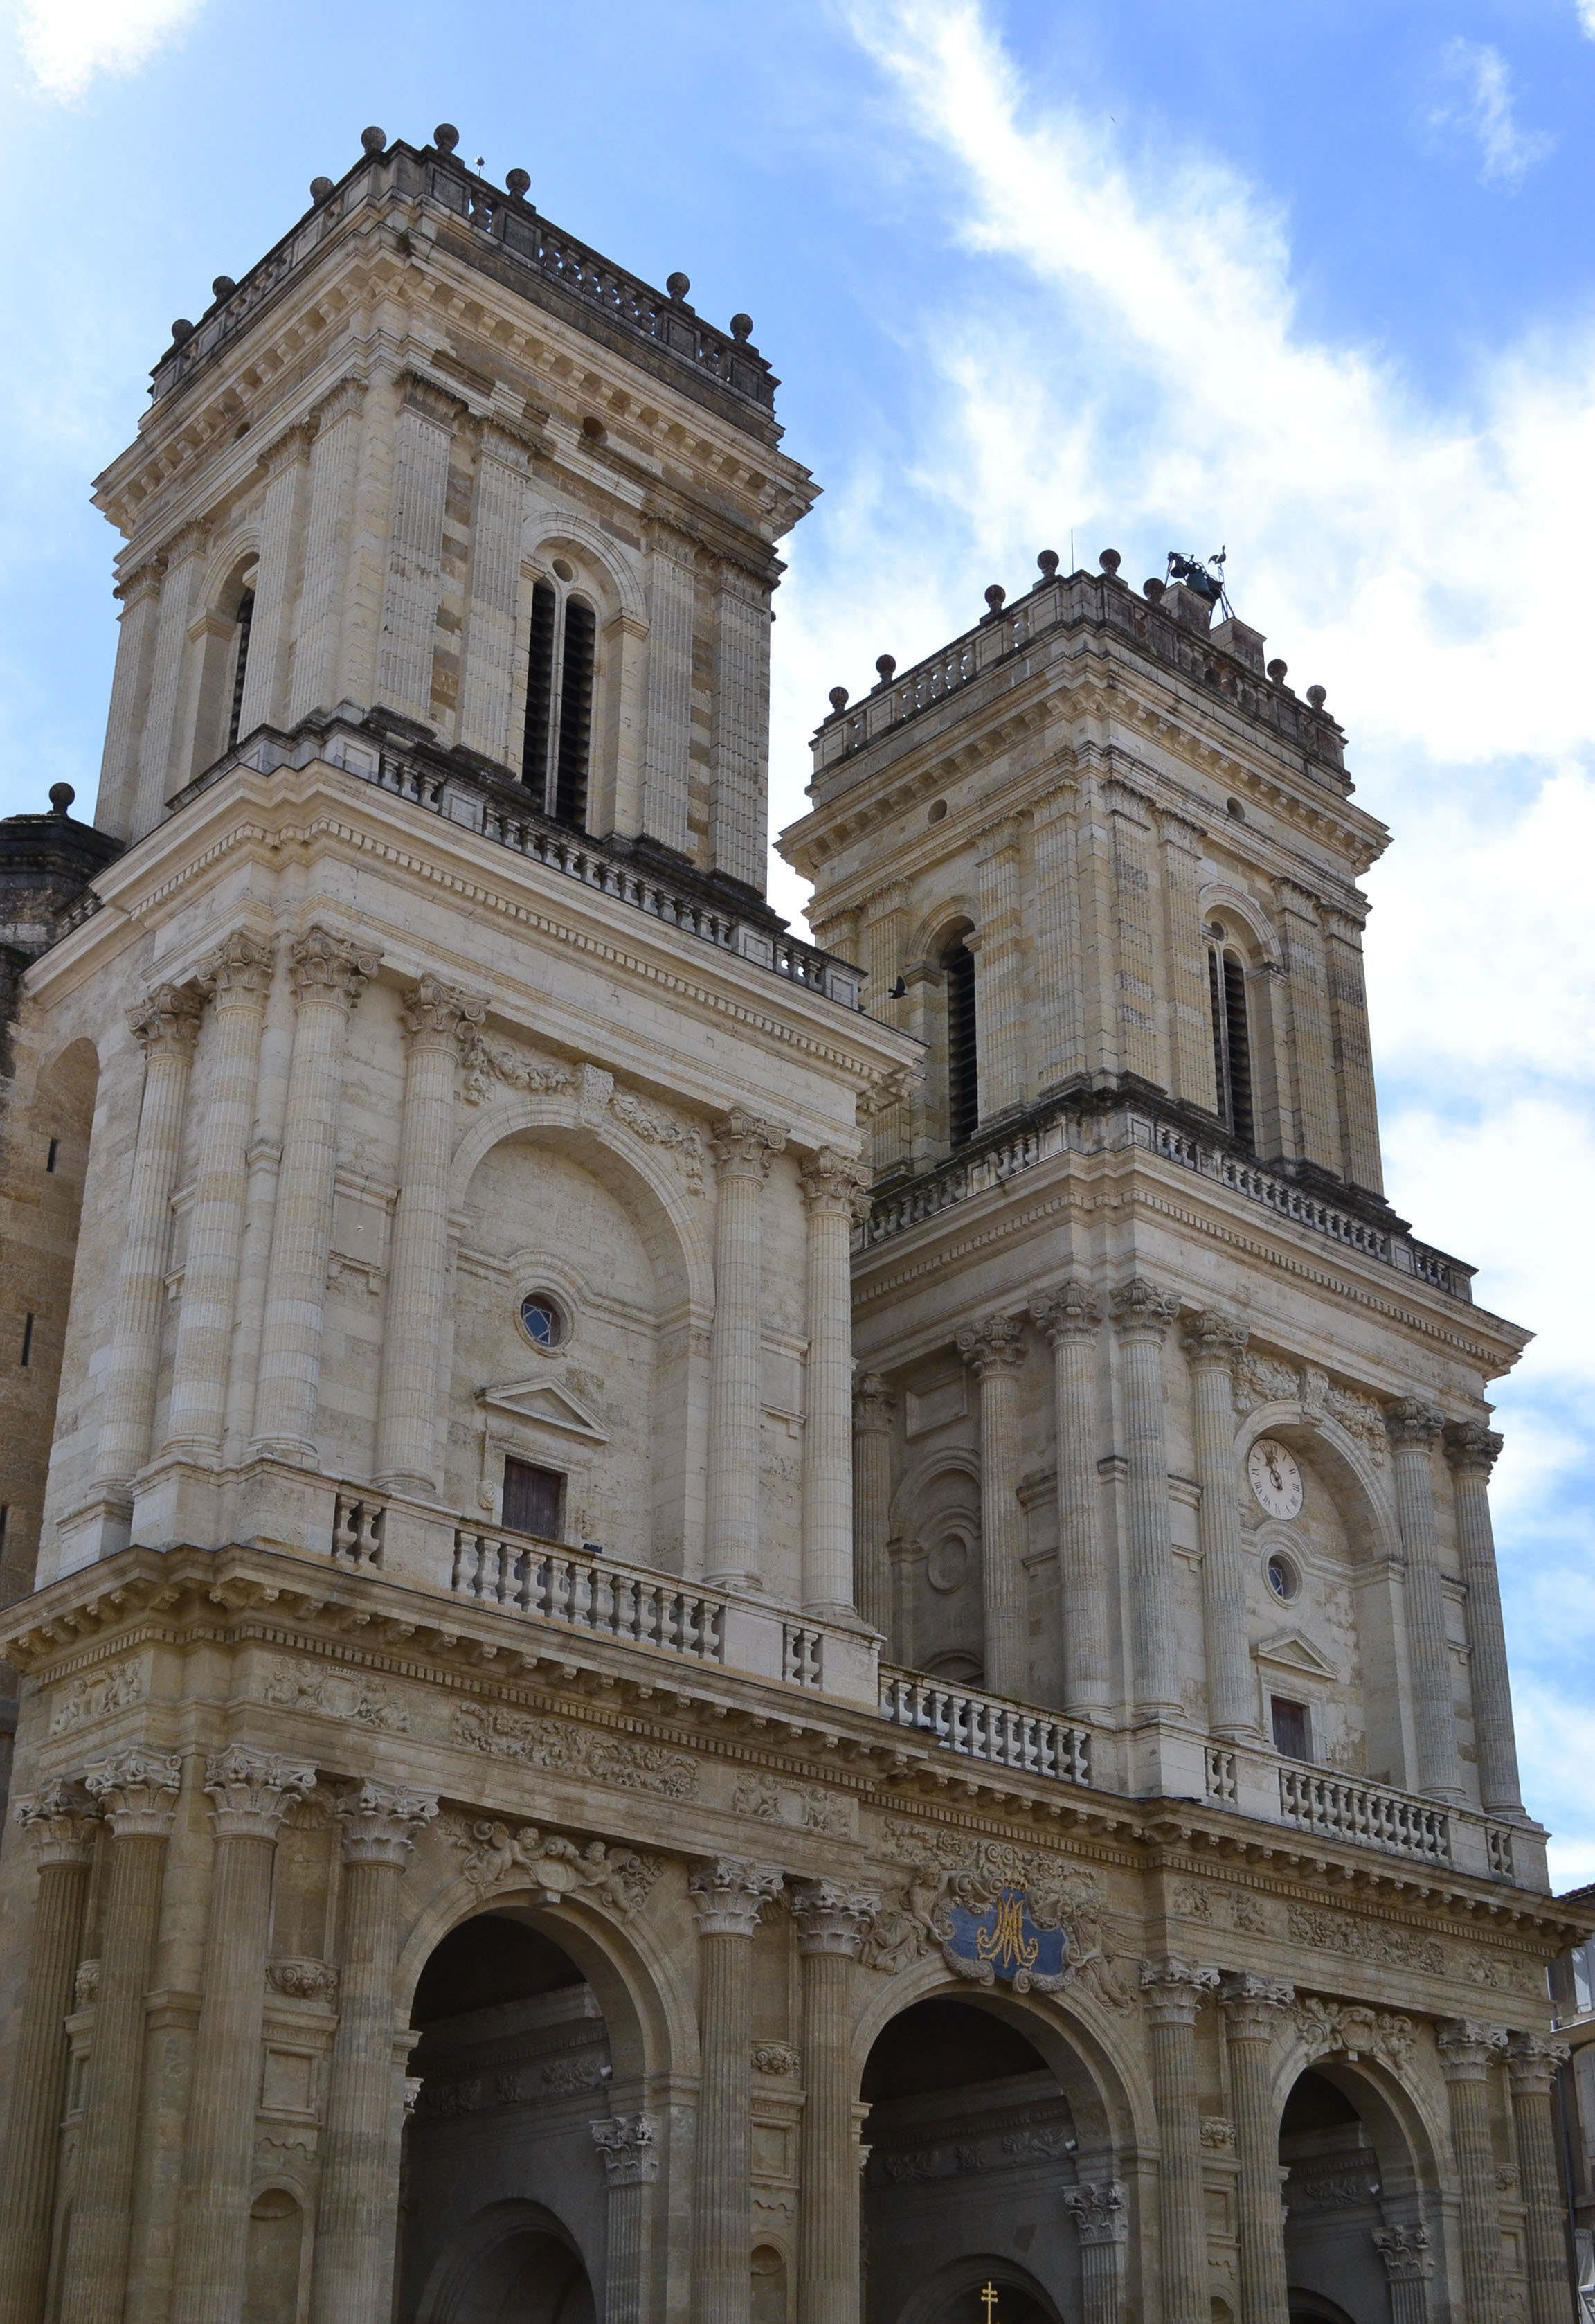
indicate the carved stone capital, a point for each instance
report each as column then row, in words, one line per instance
column 1405, row 2254
column 835, row 1182
column 286, row 450
column 439, row 1015
column 1069, row 1313
column 1468, row 2047
column 380, row 1821
column 497, row 440
column 60, row 1823
column 239, row 971
column 1409, row 1420
column 831, row 1917
column 1472, row 1449
column 252, row 1791
column 1253, row 2005
column 166, row 1022
column 1212, row 1341
column 629, row 2144
column 433, row 403
column 323, row 966
column 138, row 1791
column 1141, row 1311
column 1532, row 2060
column 995, row 1344
column 873, row 1406
column 143, row 581
column 303, row 1980
column 729, row 1893
column 1173, row 1990
column 1101, row 2213
column 338, row 402
column 742, row 1145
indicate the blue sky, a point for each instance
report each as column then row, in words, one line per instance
column 1314, row 280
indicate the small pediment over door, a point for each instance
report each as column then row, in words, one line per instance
column 1292, row 1650
column 545, row 1400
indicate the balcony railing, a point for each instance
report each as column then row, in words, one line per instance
column 1339, row 1810
column 979, row 1727
column 584, row 1592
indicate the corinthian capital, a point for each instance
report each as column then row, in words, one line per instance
column 629, row 2144
column 995, row 1344
column 166, row 1022
column 835, row 1182
column 1212, row 1341
column 138, row 1791
column 1069, row 1313
column 1173, row 1990
column 436, row 1014
column 326, row 967
column 1409, row 1420
column 1472, row 1449
column 1468, row 2047
column 1253, row 2005
column 60, row 1821
column 380, row 1821
column 1532, row 2061
column 873, row 1406
column 253, row 1791
column 729, row 1894
column 742, row 1145
column 1141, row 1311
column 1100, row 2214
column 831, row 1917
column 1406, row 2252
column 240, row 969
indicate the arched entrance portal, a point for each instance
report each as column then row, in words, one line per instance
column 1349, row 2180
column 503, row 2192
column 969, row 2136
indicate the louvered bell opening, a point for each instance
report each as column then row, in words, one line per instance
column 246, row 614
column 575, row 715
column 1239, row 1044
column 963, row 1065
column 534, row 754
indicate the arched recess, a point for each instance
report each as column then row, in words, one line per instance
column 1248, row 1005
column 598, row 574
column 935, row 1508
column 1244, row 917
column 949, row 2294
column 514, row 2261
column 939, row 1007
column 277, row 2255
column 219, row 640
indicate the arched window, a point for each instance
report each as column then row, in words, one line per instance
column 559, row 655
column 963, row 1062
column 243, row 620
column 1231, row 1038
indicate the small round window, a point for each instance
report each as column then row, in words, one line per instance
column 541, row 1320
column 1283, row 1580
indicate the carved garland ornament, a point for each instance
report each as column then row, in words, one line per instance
column 487, row 1062
column 616, row 1878
column 562, row 1750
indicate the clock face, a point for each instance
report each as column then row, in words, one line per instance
column 1274, row 1478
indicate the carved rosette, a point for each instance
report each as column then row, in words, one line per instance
column 743, row 1146
column 252, row 1791
column 60, row 1823
column 1212, row 1341
column 835, row 1182
column 1532, row 2063
column 239, row 971
column 1101, row 2214
column 1172, row 1991
column 729, row 1893
column 995, row 1344
column 1472, row 1449
column 1069, row 1313
column 138, row 1791
column 166, row 1022
column 323, row 966
column 1409, row 1420
column 1142, row 1311
column 380, row 1821
column 1405, row 2254
column 303, row 1980
column 1253, row 2005
column 1468, row 2047
column 873, row 1406
column 629, row 2144
column 439, row 1015
column 831, row 1917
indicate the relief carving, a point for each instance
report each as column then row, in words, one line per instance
column 1337, row 1932
column 562, row 1750
column 1348, row 2029
column 774, row 2057
column 303, row 1980
column 335, row 1693
column 1259, row 1380
column 97, row 1695
column 801, row 1807
column 487, row 1062
column 617, row 1878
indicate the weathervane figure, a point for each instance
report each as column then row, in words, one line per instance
column 1205, row 580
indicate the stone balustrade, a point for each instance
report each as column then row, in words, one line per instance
column 980, row 1727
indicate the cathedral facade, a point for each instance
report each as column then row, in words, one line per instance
column 705, row 1625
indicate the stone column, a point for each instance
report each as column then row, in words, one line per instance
column 252, row 1791
column 357, row 2213
column 140, row 595
column 834, row 1190
column 1057, row 1035
column 492, row 616
column 832, row 1921
column 1531, row 2065
column 739, row 726
column 318, row 670
column 1414, row 1426
column 171, row 677
column 872, row 1499
column 728, row 1895
column 284, row 467
column 165, row 1026
column 742, row 1147
column 60, row 1821
column 1252, row 2008
column 1173, row 1991
column 1103, row 2229
column 1070, row 1318
column 1408, row 2264
column 1212, row 1344
column 435, row 1017
column 236, row 981
column 1190, row 1020
column 1473, row 1450
column 629, row 2144
column 1467, row 2050
column 666, row 780
column 1348, row 1002
column 423, row 443
column 1000, row 997
column 139, row 1794
column 1143, row 1313
column 1312, row 1041
column 994, row 1351
column 329, row 975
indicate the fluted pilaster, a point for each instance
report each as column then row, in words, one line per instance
column 1532, row 2064
column 832, row 1921
column 728, row 1895
column 630, row 2147
column 743, row 1147
column 993, row 1351
column 1468, row 2050
column 1414, row 1428
column 1252, row 2008
column 1172, row 1992
column 835, row 1192
column 1213, row 1342
column 1102, row 2224
column 872, row 1499
column 1141, row 1315
column 1408, row 2264
column 1473, row 1450
column 1071, row 1320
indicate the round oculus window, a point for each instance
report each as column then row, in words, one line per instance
column 1275, row 1478
column 1282, row 1578
column 541, row 1320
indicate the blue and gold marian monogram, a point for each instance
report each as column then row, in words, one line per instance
column 1002, row 1940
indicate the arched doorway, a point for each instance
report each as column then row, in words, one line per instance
column 1348, row 2177
column 502, row 2202
column 970, row 2136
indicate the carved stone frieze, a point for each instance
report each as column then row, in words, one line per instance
column 1339, row 1933
column 799, row 1806
column 495, row 1857
column 488, row 1062
column 96, row 1695
column 1349, row 2030
column 561, row 1747
column 1263, row 1379
column 291, row 1684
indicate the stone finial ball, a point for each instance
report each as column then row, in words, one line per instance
column 887, row 666
column 994, row 596
column 678, row 285
column 1109, row 559
column 373, row 141
column 61, row 795
column 742, row 329
column 320, row 187
column 446, row 136
column 1049, row 561
column 1276, row 670
column 223, row 286
column 180, row 330
column 839, row 698
column 1316, row 695
column 518, row 182
column 1153, row 589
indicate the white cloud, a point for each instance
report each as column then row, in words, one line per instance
column 66, row 43
column 1480, row 106
column 1586, row 9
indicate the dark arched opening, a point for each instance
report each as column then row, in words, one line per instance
column 1335, row 2204
column 963, row 1054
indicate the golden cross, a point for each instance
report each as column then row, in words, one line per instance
column 989, row 2300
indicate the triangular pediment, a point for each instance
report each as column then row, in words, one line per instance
column 1291, row 1650
column 544, row 1400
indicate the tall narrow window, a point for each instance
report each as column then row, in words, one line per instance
column 534, row 763
column 575, row 715
column 561, row 653
column 963, row 1063
column 245, row 617
column 28, row 1339
column 1231, row 1042
column 532, row 1499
